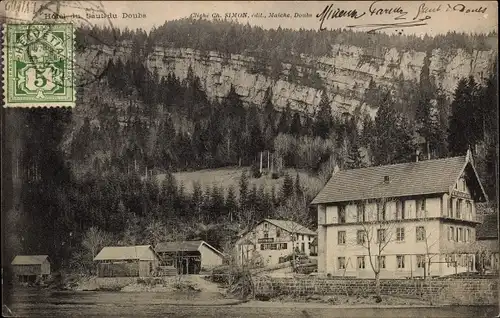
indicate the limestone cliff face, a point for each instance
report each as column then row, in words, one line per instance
column 346, row 73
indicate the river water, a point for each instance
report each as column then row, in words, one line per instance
column 45, row 303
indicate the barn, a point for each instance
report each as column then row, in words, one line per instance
column 127, row 261
column 189, row 257
column 28, row 268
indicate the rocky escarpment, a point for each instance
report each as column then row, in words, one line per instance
column 346, row 73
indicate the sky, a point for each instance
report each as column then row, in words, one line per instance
column 443, row 16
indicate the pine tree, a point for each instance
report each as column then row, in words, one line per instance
column 243, row 184
column 296, row 126
column 285, row 119
column 231, row 203
column 355, row 159
column 293, row 75
column 324, row 119
column 463, row 132
column 269, row 119
column 287, row 188
column 385, row 139
column 217, row 206
column 297, row 186
column 405, row 148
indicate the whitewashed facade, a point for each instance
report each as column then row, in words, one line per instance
column 272, row 239
column 424, row 234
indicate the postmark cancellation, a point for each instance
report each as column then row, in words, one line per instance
column 38, row 65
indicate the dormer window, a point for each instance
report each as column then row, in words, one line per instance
column 387, row 179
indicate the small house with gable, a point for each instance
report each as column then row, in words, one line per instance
column 27, row 268
column 127, row 261
column 273, row 240
column 189, row 257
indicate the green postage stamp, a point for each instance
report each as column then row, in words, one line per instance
column 38, row 65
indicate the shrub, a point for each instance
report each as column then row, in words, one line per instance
column 275, row 175
column 256, row 172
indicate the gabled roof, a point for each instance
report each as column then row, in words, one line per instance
column 290, row 226
column 183, row 246
column 29, row 259
column 138, row 252
column 405, row 179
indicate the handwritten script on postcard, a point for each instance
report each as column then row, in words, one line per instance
column 402, row 15
column 359, row 15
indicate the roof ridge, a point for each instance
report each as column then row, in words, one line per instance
column 406, row 163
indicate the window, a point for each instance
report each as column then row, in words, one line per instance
column 266, row 235
column 461, row 235
column 265, row 226
column 278, row 232
column 262, row 247
column 381, row 212
column 361, row 237
column 380, row 236
column 302, row 247
column 452, row 233
column 341, row 237
column 360, row 211
column 459, row 208
column 341, row 262
column 420, row 233
column 284, row 246
column 341, row 213
column 302, row 237
column 361, row 262
column 420, row 208
column 420, row 261
column 469, row 210
column 456, row 234
column 450, row 208
column 400, row 210
column 400, row 234
column 400, row 261
column 468, row 237
column 381, row 262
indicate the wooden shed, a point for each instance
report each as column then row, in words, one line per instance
column 28, row 268
column 127, row 261
column 189, row 257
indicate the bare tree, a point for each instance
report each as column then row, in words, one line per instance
column 378, row 230
column 94, row 240
column 295, row 210
column 156, row 232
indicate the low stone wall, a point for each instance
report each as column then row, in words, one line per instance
column 463, row 291
column 114, row 282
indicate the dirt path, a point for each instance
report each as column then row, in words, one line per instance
column 203, row 284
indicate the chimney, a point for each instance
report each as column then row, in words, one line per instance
column 335, row 169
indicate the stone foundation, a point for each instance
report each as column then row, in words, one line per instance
column 451, row 291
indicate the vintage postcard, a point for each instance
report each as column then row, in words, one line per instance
column 249, row 158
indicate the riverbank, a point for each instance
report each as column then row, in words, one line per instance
column 46, row 303
column 351, row 300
